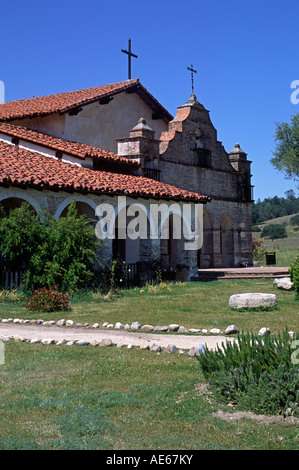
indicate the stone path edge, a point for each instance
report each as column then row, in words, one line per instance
column 57, row 333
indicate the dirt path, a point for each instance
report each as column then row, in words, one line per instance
column 117, row 336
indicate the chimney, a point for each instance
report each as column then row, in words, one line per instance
column 140, row 144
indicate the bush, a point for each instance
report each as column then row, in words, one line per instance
column 259, row 251
column 48, row 300
column 294, row 275
column 255, row 372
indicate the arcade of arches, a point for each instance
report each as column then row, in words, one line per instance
column 220, row 237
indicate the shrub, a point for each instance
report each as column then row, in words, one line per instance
column 258, row 249
column 11, row 295
column 48, row 300
column 255, row 372
column 294, row 275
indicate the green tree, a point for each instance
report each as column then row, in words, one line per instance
column 271, row 208
column 286, row 154
column 295, row 220
column 20, row 235
column 274, row 231
column 54, row 252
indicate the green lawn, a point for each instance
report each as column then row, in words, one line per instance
column 106, row 398
column 109, row 398
column 193, row 305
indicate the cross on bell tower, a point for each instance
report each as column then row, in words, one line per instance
column 130, row 54
column 192, row 70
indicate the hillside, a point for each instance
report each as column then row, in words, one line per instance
column 275, row 208
column 280, row 220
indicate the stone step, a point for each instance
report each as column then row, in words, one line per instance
column 253, row 273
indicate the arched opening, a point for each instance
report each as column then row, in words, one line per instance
column 131, row 226
column 130, row 242
column 169, row 241
column 227, row 242
column 12, row 203
column 206, row 254
column 82, row 209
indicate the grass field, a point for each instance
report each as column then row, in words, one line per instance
column 108, row 398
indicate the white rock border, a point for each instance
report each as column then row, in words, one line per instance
column 134, row 326
column 105, row 342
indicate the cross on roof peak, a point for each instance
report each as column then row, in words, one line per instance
column 192, row 70
column 130, row 54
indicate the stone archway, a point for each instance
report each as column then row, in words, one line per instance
column 205, row 258
column 171, row 237
column 131, row 232
column 82, row 209
column 12, row 203
column 84, row 205
column 14, row 198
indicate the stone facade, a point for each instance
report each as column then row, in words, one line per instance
column 189, row 155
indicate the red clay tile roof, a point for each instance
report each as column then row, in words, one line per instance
column 68, row 101
column 71, row 148
column 21, row 167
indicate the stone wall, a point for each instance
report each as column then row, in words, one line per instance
column 192, row 158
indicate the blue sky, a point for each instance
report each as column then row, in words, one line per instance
column 245, row 52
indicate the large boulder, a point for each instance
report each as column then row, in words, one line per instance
column 252, row 300
column 284, row 283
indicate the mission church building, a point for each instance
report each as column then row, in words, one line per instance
column 97, row 144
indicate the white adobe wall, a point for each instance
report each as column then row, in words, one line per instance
column 99, row 125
